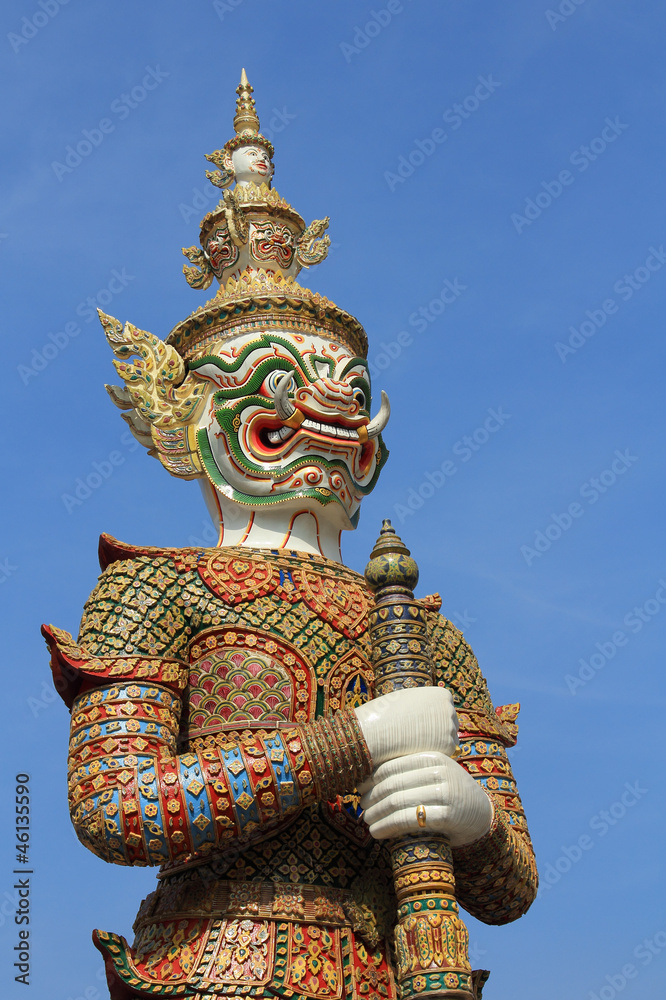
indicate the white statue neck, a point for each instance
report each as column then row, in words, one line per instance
column 280, row 527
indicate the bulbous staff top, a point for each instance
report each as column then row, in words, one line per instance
column 263, row 392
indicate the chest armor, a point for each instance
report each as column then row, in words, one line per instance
column 303, row 910
column 277, row 642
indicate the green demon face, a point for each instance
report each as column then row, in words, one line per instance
column 288, row 421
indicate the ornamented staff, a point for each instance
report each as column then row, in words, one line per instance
column 431, row 940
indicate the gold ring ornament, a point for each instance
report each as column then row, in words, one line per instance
column 421, row 815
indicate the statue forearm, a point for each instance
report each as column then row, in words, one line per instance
column 135, row 801
column 152, row 805
column 496, row 876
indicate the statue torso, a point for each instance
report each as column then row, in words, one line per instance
column 271, row 638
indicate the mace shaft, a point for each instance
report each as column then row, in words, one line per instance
column 431, row 940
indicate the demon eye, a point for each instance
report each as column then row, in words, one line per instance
column 359, row 396
column 271, row 381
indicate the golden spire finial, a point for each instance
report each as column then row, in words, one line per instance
column 245, row 119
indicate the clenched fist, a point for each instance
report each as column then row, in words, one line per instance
column 404, row 722
column 411, row 735
column 455, row 804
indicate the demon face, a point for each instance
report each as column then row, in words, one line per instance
column 288, row 421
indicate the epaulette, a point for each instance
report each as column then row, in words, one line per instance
column 111, row 550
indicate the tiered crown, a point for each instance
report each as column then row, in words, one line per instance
column 246, row 127
column 255, row 243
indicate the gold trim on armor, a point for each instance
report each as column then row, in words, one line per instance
column 264, row 901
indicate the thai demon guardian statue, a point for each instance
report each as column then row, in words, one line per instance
column 313, row 840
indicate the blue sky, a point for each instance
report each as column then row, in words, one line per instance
column 512, row 282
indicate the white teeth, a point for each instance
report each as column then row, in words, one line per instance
column 275, row 437
column 330, row 430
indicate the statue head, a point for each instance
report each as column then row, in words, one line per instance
column 247, row 158
column 263, row 393
column 251, row 164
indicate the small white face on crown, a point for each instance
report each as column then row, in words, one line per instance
column 252, row 165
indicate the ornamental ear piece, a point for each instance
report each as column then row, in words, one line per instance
column 201, row 275
column 161, row 401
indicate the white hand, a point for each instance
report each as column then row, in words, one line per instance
column 406, row 721
column 455, row 804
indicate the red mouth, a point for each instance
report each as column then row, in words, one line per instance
column 267, row 437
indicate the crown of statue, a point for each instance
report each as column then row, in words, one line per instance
column 246, row 127
column 255, row 243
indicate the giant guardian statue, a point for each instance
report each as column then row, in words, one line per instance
column 309, row 756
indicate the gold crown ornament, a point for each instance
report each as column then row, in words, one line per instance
column 255, row 244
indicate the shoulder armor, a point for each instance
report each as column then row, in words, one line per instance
column 75, row 669
column 111, row 550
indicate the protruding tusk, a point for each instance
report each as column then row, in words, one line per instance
column 378, row 423
column 284, row 407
